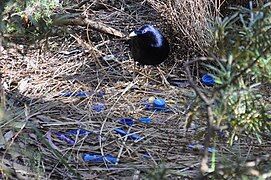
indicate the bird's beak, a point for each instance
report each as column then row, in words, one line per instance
column 132, row 34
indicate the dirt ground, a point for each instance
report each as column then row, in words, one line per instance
column 35, row 76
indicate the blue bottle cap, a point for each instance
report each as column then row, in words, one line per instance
column 145, row 120
column 208, row 80
column 159, row 103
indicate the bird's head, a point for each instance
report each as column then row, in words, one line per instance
column 149, row 34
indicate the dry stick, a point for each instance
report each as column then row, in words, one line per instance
column 134, row 69
column 163, row 78
column 103, row 124
column 2, row 93
column 87, row 45
column 80, row 4
column 96, row 52
column 75, row 19
column 193, row 85
column 123, row 144
column 204, row 162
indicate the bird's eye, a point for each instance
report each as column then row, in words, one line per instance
column 144, row 31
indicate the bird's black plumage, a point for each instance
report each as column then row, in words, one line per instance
column 148, row 46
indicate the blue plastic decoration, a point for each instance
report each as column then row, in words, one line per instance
column 146, row 155
column 100, row 93
column 145, row 120
column 208, row 80
column 201, row 148
column 135, row 137
column 96, row 158
column 159, row 104
column 120, row 131
column 124, row 133
column 99, row 107
column 148, row 106
column 65, row 138
column 126, row 121
column 81, row 94
column 79, row 132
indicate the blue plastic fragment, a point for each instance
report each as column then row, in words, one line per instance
column 81, row 94
column 146, row 155
column 145, row 120
column 135, row 137
column 66, row 94
column 208, row 79
column 99, row 107
column 96, row 158
column 159, row 104
column 75, row 94
column 211, row 149
column 221, row 133
column 126, row 121
column 100, row 93
column 147, row 105
column 120, row 131
column 63, row 137
column 79, row 132
column 130, row 136
column 191, row 146
column 201, row 148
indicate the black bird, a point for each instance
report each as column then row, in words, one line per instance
column 148, row 45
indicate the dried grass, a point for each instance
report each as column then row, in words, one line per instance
column 188, row 20
column 34, row 77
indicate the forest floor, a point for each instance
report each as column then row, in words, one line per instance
column 39, row 78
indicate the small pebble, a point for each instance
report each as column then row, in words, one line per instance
column 151, row 99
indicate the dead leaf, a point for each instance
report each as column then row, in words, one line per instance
column 23, row 85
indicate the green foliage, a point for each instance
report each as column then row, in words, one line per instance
column 242, row 65
column 237, row 166
column 158, row 173
column 27, row 17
